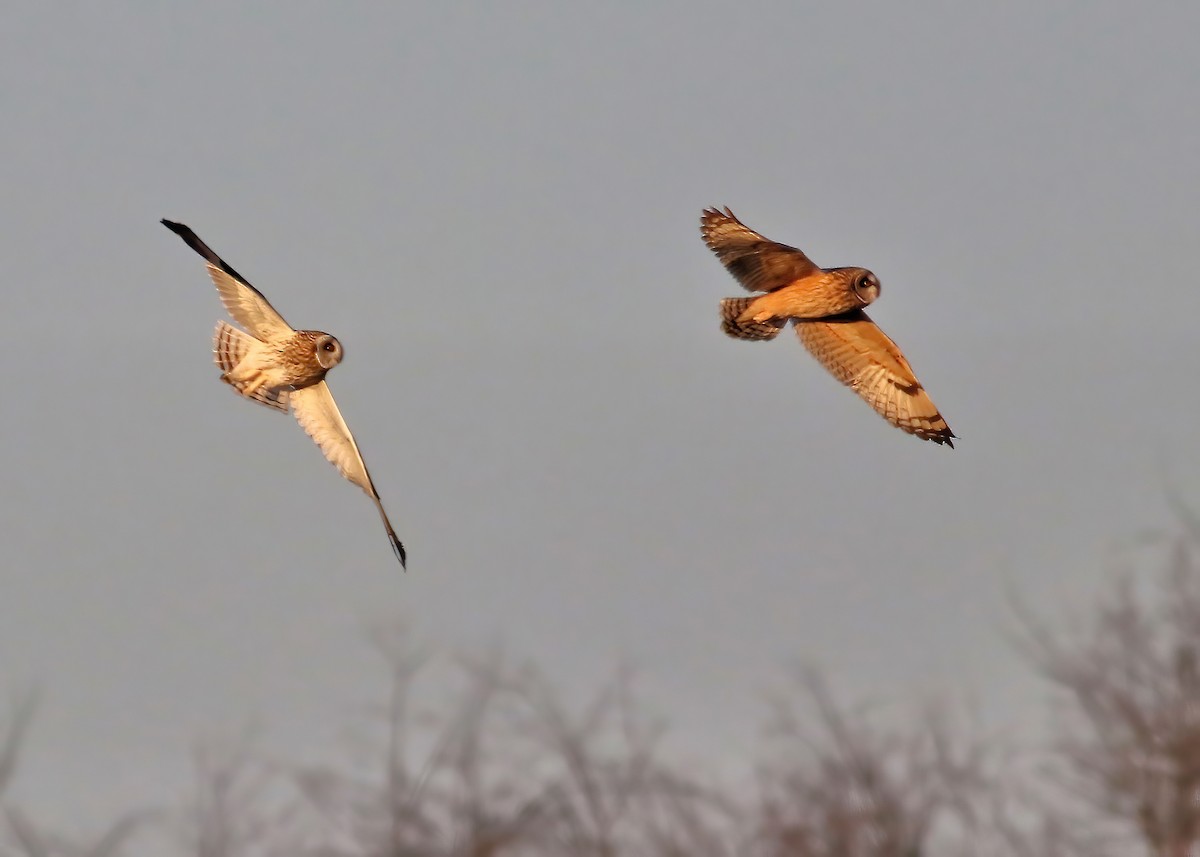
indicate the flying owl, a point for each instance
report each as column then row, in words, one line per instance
column 283, row 369
column 825, row 305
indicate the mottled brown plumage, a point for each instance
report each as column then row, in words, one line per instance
column 825, row 306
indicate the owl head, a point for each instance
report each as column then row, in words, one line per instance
column 863, row 283
column 328, row 351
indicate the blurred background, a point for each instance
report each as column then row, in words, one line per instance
column 495, row 209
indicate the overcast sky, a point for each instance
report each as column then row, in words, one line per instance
column 496, row 212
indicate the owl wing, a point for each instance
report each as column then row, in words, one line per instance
column 861, row 356
column 758, row 263
column 248, row 306
column 319, row 416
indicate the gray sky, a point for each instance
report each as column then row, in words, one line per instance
column 496, row 212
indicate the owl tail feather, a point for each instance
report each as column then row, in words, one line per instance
column 230, row 346
column 732, row 310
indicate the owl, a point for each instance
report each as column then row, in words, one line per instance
column 825, row 306
column 283, row 369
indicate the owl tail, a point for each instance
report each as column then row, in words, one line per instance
column 732, row 323
column 230, row 345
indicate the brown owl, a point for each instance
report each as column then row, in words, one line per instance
column 825, row 305
column 283, row 369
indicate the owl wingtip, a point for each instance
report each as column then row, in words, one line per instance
column 398, row 550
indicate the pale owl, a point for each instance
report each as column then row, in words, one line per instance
column 284, row 369
column 825, row 306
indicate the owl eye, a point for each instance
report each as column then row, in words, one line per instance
column 328, row 346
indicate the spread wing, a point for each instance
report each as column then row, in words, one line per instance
column 245, row 303
column 861, row 356
column 319, row 416
column 758, row 263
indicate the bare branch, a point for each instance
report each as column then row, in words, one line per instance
column 1128, row 746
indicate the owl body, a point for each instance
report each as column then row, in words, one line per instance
column 819, row 295
column 293, row 361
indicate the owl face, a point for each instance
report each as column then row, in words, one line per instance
column 328, row 351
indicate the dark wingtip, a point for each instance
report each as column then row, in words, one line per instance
column 707, row 216
column 398, row 550
column 193, row 240
column 714, row 211
column 946, row 438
